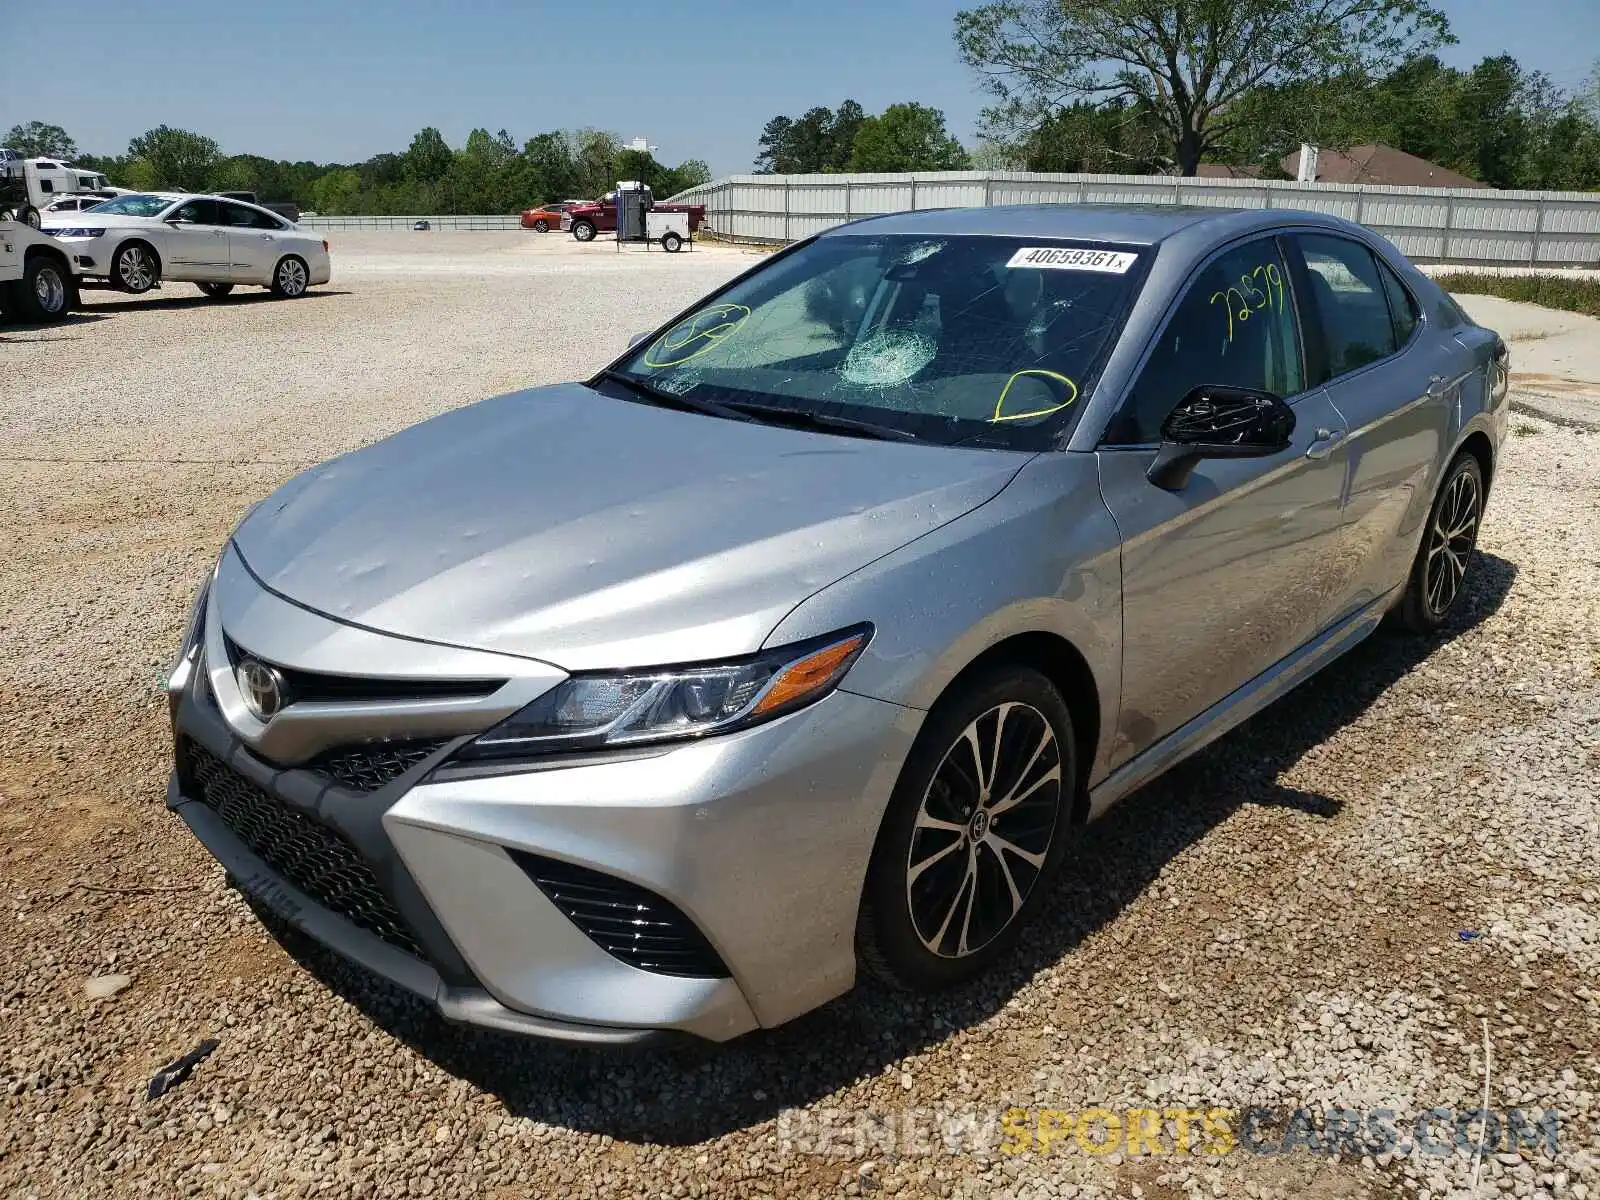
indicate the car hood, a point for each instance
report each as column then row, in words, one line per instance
column 589, row 532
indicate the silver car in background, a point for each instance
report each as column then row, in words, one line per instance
column 804, row 635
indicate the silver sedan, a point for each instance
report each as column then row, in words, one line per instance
column 803, row 636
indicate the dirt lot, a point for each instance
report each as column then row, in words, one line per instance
column 1338, row 906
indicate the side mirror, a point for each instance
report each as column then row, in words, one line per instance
column 1219, row 422
column 637, row 338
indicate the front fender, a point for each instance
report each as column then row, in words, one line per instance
column 1043, row 556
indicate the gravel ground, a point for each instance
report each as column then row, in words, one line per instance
column 1336, row 906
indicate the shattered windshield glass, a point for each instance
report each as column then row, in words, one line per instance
column 972, row 340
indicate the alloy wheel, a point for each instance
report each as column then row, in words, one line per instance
column 135, row 269
column 1451, row 539
column 983, row 830
column 291, row 277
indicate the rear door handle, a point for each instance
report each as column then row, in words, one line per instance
column 1437, row 386
column 1326, row 440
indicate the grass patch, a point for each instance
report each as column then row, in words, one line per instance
column 1551, row 291
column 1525, row 431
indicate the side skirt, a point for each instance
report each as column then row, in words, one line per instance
column 1238, row 706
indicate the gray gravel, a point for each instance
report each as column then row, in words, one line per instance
column 1323, row 910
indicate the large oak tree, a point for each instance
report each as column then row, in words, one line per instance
column 1186, row 62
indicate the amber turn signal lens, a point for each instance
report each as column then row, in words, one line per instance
column 812, row 672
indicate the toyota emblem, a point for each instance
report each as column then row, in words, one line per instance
column 261, row 687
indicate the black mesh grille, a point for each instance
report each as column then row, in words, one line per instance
column 625, row 920
column 368, row 768
column 312, row 686
column 305, row 852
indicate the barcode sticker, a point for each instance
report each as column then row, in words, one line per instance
column 1066, row 258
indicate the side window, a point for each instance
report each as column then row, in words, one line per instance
column 1350, row 302
column 1236, row 326
column 201, row 212
column 1402, row 308
column 240, row 217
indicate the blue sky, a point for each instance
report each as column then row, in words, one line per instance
column 341, row 80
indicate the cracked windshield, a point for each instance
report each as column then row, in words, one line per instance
column 957, row 340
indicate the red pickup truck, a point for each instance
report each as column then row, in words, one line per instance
column 600, row 216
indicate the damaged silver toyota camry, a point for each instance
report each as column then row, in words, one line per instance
column 803, row 636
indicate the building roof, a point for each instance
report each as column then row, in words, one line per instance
column 1227, row 171
column 1380, row 164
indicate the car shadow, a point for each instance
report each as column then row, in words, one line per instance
column 686, row 1093
column 256, row 295
column 54, row 328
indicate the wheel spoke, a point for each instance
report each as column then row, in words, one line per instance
column 936, row 857
column 1018, row 794
column 925, row 820
column 1001, row 847
column 965, row 889
column 1011, row 883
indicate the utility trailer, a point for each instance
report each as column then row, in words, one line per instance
column 38, row 282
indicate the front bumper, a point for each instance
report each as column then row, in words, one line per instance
column 760, row 839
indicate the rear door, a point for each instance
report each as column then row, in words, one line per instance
column 1396, row 388
column 193, row 242
column 253, row 242
column 1224, row 576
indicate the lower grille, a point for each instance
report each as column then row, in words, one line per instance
column 307, row 853
column 368, row 768
column 625, row 920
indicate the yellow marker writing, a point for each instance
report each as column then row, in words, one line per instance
column 1072, row 396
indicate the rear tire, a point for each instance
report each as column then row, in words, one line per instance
column 541, row 226
column 30, row 216
column 45, row 291
column 1439, row 575
column 215, row 290
column 584, row 231
column 974, row 834
column 290, row 277
column 671, row 242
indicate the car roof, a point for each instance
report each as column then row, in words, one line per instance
column 1128, row 224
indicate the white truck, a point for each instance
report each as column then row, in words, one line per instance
column 38, row 282
column 27, row 185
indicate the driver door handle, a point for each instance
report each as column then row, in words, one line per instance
column 1437, row 386
column 1325, row 441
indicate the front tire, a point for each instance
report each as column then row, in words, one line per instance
column 290, row 278
column 134, row 268
column 974, row 833
column 541, row 226
column 584, row 231
column 1439, row 574
column 215, row 290
column 671, row 242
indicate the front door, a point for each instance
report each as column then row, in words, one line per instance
column 1227, row 574
column 194, row 244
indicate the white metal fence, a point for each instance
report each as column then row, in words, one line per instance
column 1457, row 225
column 436, row 222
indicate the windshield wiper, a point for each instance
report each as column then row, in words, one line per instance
column 668, row 399
column 804, row 416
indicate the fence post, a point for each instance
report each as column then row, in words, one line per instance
column 1361, row 204
column 1449, row 224
column 786, row 236
column 913, row 193
column 1266, row 197
column 1538, row 232
column 1083, row 191
column 847, row 198
column 1177, row 189
column 988, row 191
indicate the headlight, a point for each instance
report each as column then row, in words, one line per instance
column 78, row 233
column 594, row 710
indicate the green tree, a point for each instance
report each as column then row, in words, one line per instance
column 336, row 193
column 429, row 159
column 907, row 137
column 1188, row 61
column 38, row 140
column 594, row 162
column 552, row 173
column 173, row 158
